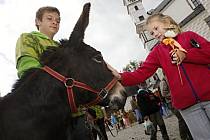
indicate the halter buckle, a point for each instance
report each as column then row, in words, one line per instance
column 103, row 93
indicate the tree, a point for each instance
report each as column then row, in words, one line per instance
column 133, row 64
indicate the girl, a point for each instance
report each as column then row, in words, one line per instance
column 184, row 58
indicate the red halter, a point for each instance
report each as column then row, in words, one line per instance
column 70, row 83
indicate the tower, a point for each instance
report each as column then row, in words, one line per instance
column 136, row 10
column 138, row 14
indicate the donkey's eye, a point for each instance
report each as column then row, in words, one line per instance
column 98, row 58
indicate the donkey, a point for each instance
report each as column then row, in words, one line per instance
column 40, row 104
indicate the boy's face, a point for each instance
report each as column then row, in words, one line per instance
column 157, row 29
column 49, row 24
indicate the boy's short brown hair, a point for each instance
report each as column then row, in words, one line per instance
column 40, row 12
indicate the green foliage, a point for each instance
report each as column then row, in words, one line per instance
column 133, row 64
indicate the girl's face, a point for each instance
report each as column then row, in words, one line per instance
column 50, row 23
column 157, row 29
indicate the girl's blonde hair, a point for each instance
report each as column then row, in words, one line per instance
column 164, row 19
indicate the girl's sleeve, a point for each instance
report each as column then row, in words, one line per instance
column 198, row 55
column 147, row 69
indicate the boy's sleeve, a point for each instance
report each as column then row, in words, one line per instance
column 25, row 63
column 26, row 54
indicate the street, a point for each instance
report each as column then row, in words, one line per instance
column 136, row 132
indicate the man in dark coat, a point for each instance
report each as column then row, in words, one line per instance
column 150, row 108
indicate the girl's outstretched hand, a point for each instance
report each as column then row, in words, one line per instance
column 114, row 71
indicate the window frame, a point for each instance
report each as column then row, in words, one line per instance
column 207, row 20
column 136, row 7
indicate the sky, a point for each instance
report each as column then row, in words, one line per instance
column 111, row 31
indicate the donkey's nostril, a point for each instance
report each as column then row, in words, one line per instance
column 116, row 103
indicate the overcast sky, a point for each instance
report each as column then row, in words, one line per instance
column 111, row 31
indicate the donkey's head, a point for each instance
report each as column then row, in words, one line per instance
column 90, row 79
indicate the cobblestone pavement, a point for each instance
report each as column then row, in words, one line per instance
column 136, row 132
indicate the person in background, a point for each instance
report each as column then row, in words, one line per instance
column 131, row 117
column 120, row 119
column 184, row 58
column 183, row 129
column 164, row 108
column 114, row 121
column 99, row 115
column 126, row 119
column 150, row 106
column 136, row 109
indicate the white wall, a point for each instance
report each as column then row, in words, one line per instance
column 198, row 25
column 206, row 4
column 179, row 10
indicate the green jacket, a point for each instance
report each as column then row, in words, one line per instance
column 29, row 47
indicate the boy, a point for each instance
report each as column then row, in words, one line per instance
column 30, row 46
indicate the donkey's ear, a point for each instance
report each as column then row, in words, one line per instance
column 77, row 34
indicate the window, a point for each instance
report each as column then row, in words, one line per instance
column 193, row 3
column 131, row 1
column 196, row 2
column 146, row 36
column 136, row 8
column 141, row 18
column 207, row 20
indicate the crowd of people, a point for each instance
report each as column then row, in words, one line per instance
column 184, row 65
